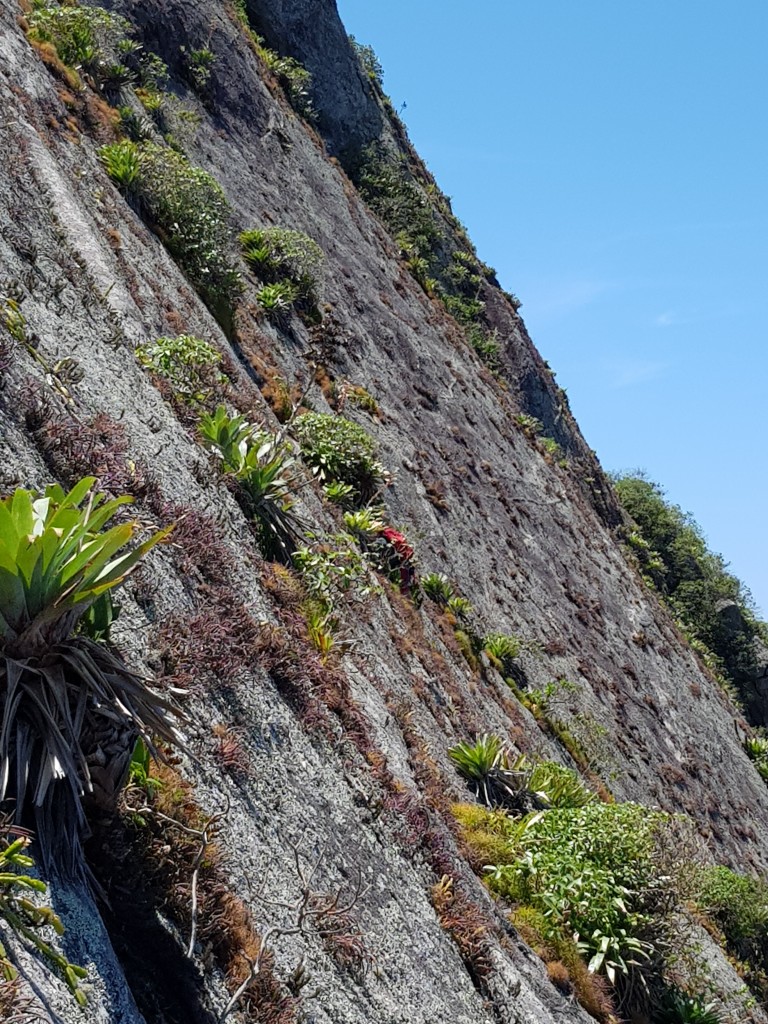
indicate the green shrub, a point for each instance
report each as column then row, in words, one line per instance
column 278, row 254
column 368, row 61
column 190, row 213
column 486, row 344
column 517, row 785
column 189, row 364
column 340, row 494
column 693, row 580
column 332, row 568
column 85, row 38
column 385, row 183
column 338, row 450
column 739, row 906
column 592, row 870
column 27, row 918
column 57, row 560
column 294, row 78
column 260, row 465
column 199, row 67
column 461, row 607
column 551, row 447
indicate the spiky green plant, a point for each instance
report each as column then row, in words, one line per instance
column 756, row 748
column 502, row 648
column 122, row 162
column 260, row 464
column 58, row 558
column 277, row 299
column 437, row 587
column 279, row 254
column 459, row 606
column 485, row 765
column 28, row 918
column 364, row 522
column 340, row 493
column 681, row 1008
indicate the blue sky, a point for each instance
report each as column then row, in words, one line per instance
column 611, row 161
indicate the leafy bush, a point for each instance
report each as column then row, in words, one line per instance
column 27, row 918
column 199, row 67
column 529, row 425
column 385, row 183
column 190, row 212
column 364, row 523
column 591, row 870
column 334, row 568
column 85, row 38
column 293, row 77
column 278, row 254
column 739, row 906
column 338, row 450
column 260, row 466
column 340, row 494
column 693, row 580
column 461, row 607
column 368, row 60
column 189, row 364
column 57, row 560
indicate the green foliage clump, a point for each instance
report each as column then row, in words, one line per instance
column 86, row 38
column 692, row 579
column 189, row 364
column 389, row 189
column 368, row 61
column 293, row 76
column 199, row 66
column 681, row 1008
column 591, row 870
column 438, row 588
column 27, row 917
column 58, row 560
column 190, row 213
column 338, row 450
column 756, row 748
column 277, row 299
column 503, row 648
column 334, row 568
column 738, row 904
column 518, row 784
column 281, row 254
column 260, row 464
column 460, row 607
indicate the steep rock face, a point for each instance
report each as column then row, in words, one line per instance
column 311, row 31
column 523, row 537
